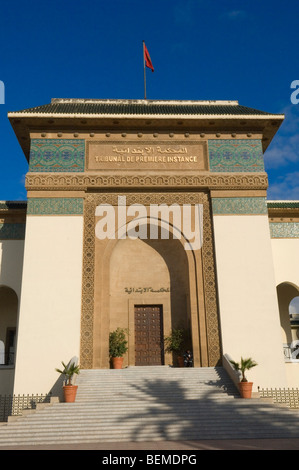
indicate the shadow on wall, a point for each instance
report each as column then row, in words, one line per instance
column 174, row 255
column 12, row 236
column 57, row 390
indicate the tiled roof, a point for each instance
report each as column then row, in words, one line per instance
column 142, row 107
column 283, row 205
column 8, row 205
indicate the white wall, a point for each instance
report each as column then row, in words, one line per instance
column 286, row 260
column 11, row 264
column 249, row 313
column 286, row 266
column 50, row 310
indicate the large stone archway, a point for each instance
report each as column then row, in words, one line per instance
column 200, row 304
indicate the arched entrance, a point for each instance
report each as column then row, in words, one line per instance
column 286, row 293
column 8, row 323
column 191, row 272
column 149, row 295
column 149, row 281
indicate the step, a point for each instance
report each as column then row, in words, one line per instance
column 138, row 436
column 149, row 404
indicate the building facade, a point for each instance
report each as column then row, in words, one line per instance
column 149, row 216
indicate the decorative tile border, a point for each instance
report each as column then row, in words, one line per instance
column 55, row 206
column 236, row 155
column 284, row 229
column 239, row 206
column 12, row 231
column 57, row 155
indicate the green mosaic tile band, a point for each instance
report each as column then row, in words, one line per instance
column 12, row 231
column 239, row 205
column 55, row 206
column 284, row 229
column 236, row 155
column 57, row 155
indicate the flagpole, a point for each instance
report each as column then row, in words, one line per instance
column 144, row 72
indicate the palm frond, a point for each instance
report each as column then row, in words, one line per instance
column 245, row 364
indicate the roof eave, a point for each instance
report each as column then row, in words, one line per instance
column 144, row 116
column 24, row 123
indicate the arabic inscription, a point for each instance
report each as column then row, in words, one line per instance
column 145, row 290
column 115, row 155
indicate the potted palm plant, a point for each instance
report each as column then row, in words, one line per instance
column 174, row 344
column 245, row 387
column 69, row 389
column 118, row 346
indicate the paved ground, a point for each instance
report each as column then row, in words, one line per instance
column 241, row 444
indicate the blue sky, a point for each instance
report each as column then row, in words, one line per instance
column 201, row 50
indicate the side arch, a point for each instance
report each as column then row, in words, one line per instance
column 286, row 292
column 8, row 324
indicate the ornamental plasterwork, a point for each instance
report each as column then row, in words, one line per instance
column 66, row 182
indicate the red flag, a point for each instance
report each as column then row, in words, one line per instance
column 147, row 59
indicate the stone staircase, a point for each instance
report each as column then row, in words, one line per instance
column 149, row 404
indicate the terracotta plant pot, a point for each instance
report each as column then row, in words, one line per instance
column 70, row 392
column 180, row 361
column 117, row 362
column 245, row 389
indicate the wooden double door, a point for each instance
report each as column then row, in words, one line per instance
column 149, row 350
